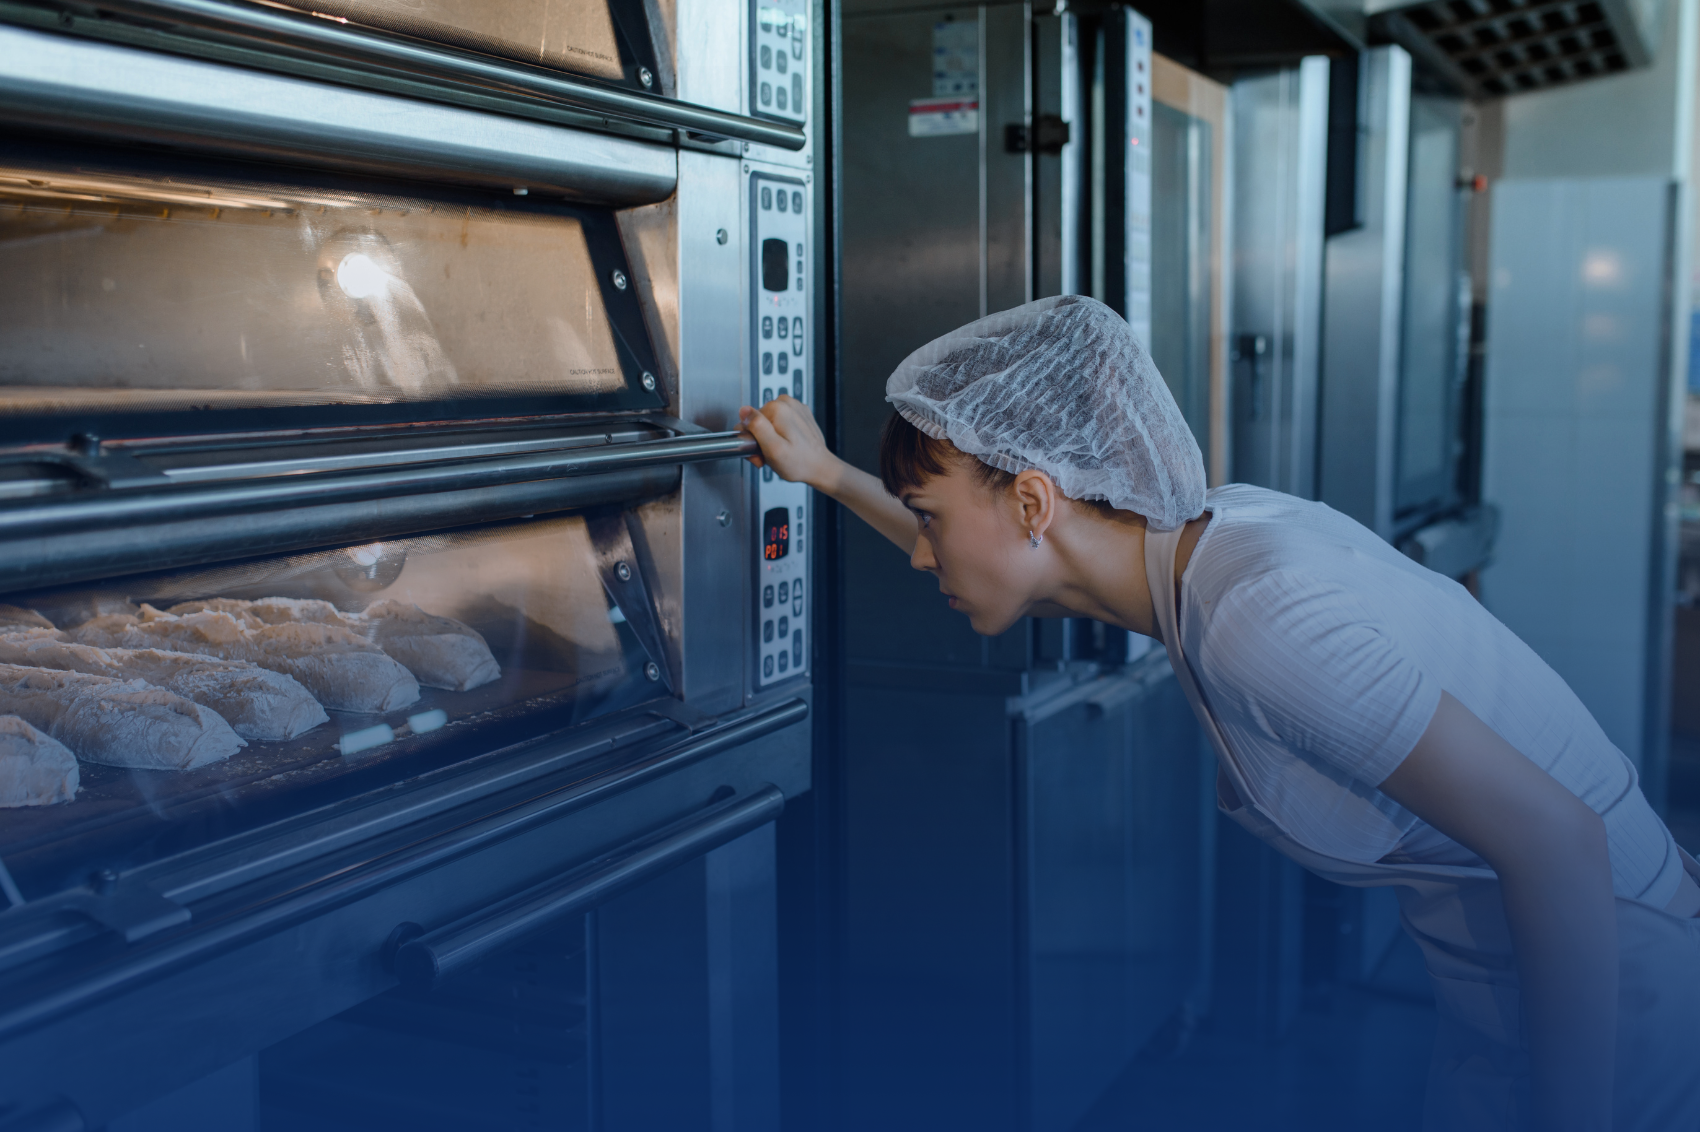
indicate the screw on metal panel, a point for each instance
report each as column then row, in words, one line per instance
column 103, row 881
column 746, row 147
column 622, row 571
column 619, row 280
column 648, row 380
column 644, row 77
column 725, row 518
column 652, row 671
column 720, row 236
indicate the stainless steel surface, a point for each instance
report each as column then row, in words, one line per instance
column 1181, row 200
column 118, row 508
column 62, row 83
column 1279, row 168
column 440, row 953
column 1363, row 296
column 284, row 31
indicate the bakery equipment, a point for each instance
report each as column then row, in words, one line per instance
column 390, row 307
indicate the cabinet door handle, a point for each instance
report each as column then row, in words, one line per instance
column 424, row 957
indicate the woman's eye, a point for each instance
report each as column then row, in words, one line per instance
column 926, row 519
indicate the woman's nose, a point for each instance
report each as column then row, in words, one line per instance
column 922, row 556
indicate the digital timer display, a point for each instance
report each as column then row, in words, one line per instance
column 776, row 539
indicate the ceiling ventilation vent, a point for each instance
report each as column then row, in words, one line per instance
column 1497, row 47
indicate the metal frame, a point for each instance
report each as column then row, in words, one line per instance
column 440, row 72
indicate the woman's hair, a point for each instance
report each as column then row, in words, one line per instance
column 909, row 458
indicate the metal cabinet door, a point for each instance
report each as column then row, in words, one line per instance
column 1114, row 820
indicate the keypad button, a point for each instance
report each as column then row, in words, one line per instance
column 797, row 196
column 780, row 99
column 784, row 362
column 767, row 475
column 767, row 631
column 784, row 327
column 797, row 586
column 766, row 396
column 766, row 364
column 784, row 592
column 767, row 94
column 767, row 198
column 767, row 597
column 797, row 648
column 767, row 666
column 767, row 326
column 797, row 384
column 784, row 661
column 784, row 630
column 767, row 57
column 796, row 328
column 780, row 64
column 797, row 606
column 797, row 89
column 779, row 197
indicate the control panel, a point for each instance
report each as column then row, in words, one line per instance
column 779, row 59
column 780, row 336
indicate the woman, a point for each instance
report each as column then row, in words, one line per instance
column 1371, row 720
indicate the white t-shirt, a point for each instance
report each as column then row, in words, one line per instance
column 1323, row 652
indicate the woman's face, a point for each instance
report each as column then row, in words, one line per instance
column 972, row 540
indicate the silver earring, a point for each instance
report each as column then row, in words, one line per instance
column 1034, row 540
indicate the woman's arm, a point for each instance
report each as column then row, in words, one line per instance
column 1549, row 850
column 792, row 445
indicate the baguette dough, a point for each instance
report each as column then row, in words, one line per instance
column 35, row 769
column 275, row 611
column 341, row 668
column 257, row 702
column 440, row 651
column 16, row 620
column 117, row 722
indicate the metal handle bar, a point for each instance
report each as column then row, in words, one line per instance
column 156, row 504
column 427, row 957
column 269, row 28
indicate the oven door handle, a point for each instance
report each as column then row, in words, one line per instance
column 421, row 958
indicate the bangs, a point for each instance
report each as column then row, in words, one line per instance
column 909, row 457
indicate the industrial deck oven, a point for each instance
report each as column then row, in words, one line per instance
column 400, row 667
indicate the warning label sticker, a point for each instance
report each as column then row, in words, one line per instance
column 940, row 117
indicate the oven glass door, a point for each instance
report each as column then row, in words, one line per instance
column 167, row 285
column 605, row 39
column 147, row 715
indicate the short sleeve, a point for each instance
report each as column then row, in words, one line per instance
column 1302, row 661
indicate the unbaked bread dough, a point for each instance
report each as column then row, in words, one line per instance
column 341, row 668
column 14, row 619
column 123, row 723
column 439, row 651
column 257, row 702
column 35, row 769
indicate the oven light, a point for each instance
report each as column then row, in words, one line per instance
column 359, row 277
column 427, row 721
column 367, row 555
column 367, row 737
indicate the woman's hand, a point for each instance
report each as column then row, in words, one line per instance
column 792, row 445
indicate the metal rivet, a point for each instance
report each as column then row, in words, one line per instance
column 720, row 236
column 619, row 280
column 648, row 380
column 644, row 77
column 652, row 671
column 622, row 571
column 725, row 518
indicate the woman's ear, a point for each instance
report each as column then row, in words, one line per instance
column 1036, row 499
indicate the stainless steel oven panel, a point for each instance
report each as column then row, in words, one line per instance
column 66, row 84
column 781, row 334
column 710, row 52
column 714, row 503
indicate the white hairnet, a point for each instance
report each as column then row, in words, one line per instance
column 1061, row 385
